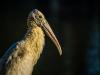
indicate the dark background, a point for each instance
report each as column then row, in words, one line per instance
column 76, row 25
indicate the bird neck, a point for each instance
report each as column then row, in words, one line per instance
column 34, row 41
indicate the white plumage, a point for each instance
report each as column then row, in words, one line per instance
column 23, row 55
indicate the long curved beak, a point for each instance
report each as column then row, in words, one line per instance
column 50, row 33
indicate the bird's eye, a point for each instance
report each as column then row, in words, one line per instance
column 32, row 18
column 40, row 16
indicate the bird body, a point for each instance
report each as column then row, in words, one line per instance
column 24, row 54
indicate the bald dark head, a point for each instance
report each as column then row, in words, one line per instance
column 36, row 18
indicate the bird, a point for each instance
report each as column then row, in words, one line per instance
column 23, row 55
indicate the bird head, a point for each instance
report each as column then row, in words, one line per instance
column 36, row 18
